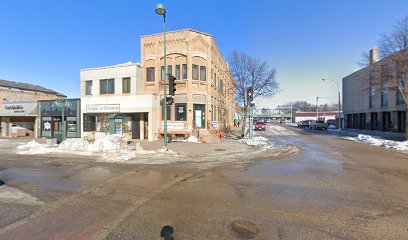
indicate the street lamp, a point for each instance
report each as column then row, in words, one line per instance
column 338, row 89
column 161, row 10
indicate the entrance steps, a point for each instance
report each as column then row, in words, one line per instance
column 207, row 136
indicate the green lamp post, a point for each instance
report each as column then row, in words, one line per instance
column 161, row 10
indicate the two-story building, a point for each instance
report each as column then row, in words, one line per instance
column 365, row 105
column 113, row 101
column 205, row 89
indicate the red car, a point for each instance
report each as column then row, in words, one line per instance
column 260, row 126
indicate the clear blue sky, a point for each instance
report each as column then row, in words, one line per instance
column 47, row 42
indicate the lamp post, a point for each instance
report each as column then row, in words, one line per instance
column 62, row 102
column 161, row 10
column 338, row 90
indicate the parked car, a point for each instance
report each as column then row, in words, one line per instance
column 331, row 122
column 319, row 124
column 260, row 126
column 304, row 123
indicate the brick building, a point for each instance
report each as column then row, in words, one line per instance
column 206, row 91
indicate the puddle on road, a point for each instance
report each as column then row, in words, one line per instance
column 310, row 157
column 43, row 177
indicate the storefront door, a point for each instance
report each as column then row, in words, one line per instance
column 56, row 126
column 136, row 126
column 116, row 125
column 199, row 115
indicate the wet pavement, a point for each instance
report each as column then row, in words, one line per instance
column 331, row 189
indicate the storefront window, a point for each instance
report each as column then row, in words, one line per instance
column 181, row 114
column 102, row 123
column 89, row 123
column 168, row 112
column 72, row 126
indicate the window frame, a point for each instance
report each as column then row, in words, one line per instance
column 177, row 114
column 168, row 112
column 94, row 123
column 178, row 71
column 108, row 89
column 184, row 71
column 88, row 91
column 203, row 73
column 128, row 80
column 195, row 72
column 150, row 70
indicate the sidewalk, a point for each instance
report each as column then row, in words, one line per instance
column 347, row 132
column 226, row 145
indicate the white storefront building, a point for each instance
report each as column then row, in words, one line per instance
column 113, row 102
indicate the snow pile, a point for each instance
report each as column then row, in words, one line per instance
column 255, row 141
column 193, row 139
column 111, row 148
column 74, row 144
column 105, row 144
column 34, row 147
column 377, row 141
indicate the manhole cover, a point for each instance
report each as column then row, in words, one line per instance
column 244, row 229
column 220, row 149
column 1, row 182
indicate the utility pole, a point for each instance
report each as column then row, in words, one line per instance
column 291, row 113
column 317, row 108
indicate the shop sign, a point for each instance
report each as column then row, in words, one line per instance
column 19, row 109
column 174, row 126
column 103, row 108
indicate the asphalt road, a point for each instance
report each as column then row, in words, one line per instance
column 331, row 189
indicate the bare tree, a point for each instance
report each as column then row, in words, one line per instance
column 251, row 72
column 396, row 40
column 103, row 123
column 365, row 59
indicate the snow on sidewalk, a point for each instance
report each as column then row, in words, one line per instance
column 377, row 141
column 257, row 141
column 111, row 148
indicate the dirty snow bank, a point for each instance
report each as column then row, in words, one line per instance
column 112, row 148
column 34, row 147
column 377, row 141
column 257, row 141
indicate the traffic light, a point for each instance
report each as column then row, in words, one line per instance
column 172, row 85
column 250, row 95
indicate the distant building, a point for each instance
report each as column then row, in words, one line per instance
column 301, row 116
column 19, row 107
column 365, row 107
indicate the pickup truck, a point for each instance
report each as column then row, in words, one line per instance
column 319, row 124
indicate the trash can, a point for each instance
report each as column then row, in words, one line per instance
column 58, row 136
